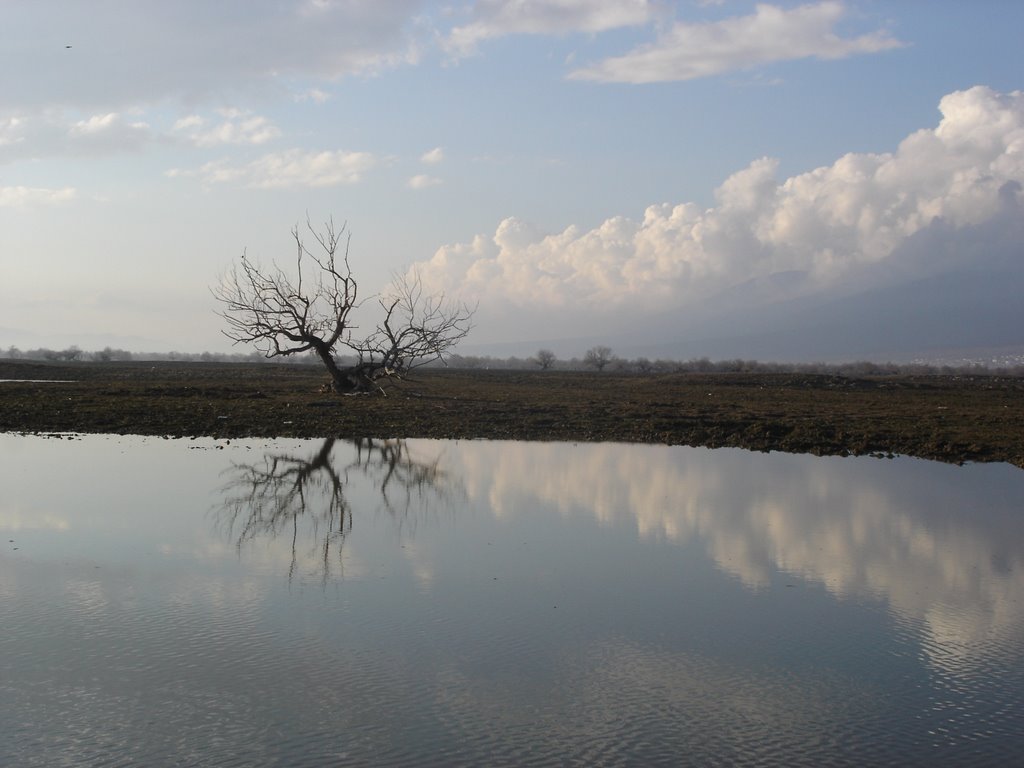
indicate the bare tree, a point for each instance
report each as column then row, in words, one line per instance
column 598, row 357
column 416, row 329
column 308, row 311
column 305, row 498
column 545, row 358
column 270, row 498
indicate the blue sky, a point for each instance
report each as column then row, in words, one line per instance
column 582, row 169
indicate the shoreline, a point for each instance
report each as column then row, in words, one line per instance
column 953, row 419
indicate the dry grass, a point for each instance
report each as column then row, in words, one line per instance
column 953, row 419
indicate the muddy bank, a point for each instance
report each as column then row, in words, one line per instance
column 954, row 419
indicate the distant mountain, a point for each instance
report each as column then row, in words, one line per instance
column 955, row 310
column 958, row 310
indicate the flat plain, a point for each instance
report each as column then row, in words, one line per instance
column 947, row 418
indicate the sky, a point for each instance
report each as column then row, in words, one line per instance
column 701, row 177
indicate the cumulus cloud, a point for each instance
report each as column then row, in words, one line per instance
column 235, row 127
column 499, row 18
column 689, row 51
column 12, row 130
column 422, row 181
column 16, row 197
column 849, row 527
column 433, row 157
column 824, row 226
column 110, row 132
column 94, row 125
column 55, row 132
column 316, row 95
column 33, row 135
column 292, row 168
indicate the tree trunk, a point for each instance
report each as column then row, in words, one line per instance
column 339, row 380
column 359, row 378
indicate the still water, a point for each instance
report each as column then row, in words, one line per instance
column 250, row 603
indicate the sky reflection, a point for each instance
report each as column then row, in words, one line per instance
column 940, row 544
column 336, row 601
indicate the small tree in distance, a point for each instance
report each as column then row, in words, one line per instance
column 308, row 311
column 598, row 357
column 545, row 358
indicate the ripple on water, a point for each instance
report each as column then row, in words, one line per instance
column 219, row 682
column 232, row 664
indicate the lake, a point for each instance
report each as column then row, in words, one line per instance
column 294, row 603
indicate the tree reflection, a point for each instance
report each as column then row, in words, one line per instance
column 309, row 498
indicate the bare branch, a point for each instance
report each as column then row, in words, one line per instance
column 416, row 329
column 285, row 493
column 282, row 314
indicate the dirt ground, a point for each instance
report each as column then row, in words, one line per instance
column 948, row 418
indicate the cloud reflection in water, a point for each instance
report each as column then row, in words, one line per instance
column 905, row 531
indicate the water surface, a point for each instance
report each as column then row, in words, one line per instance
column 200, row 602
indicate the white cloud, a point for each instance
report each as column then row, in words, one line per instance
column 12, row 130
column 316, row 7
column 237, row 127
column 847, row 527
column 94, row 125
column 770, row 34
column 422, row 181
column 433, row 157
column 499, row 18
column 190, row 123
column 54, row 132
column 825, row 224
column 14, row 197
column 292, row 168
column 316, row 95
column 150, row 51
column 108, row 133
column 111, row 129
column 34, row 135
